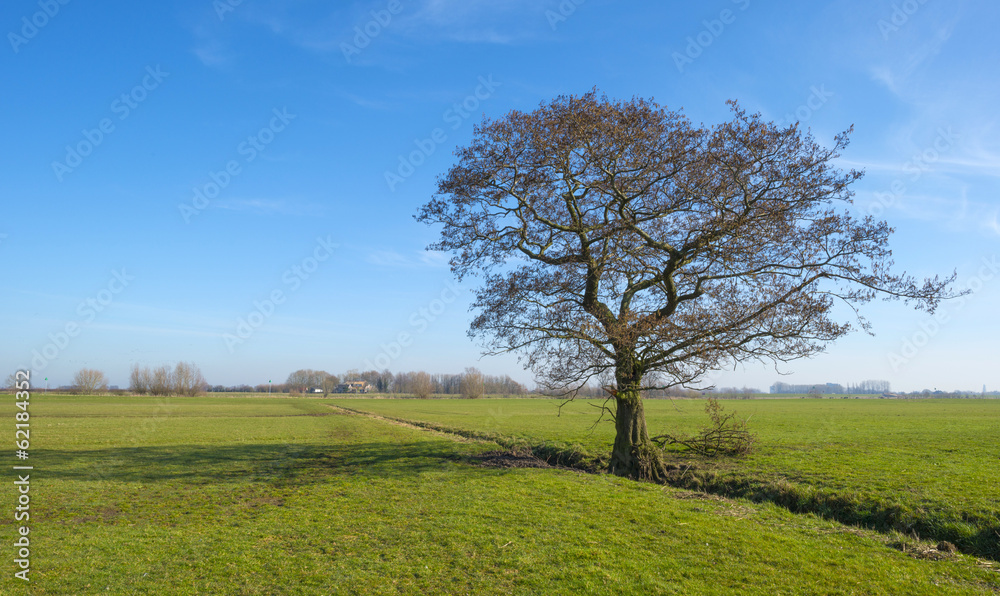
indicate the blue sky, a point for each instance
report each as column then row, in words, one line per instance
column 207, row 181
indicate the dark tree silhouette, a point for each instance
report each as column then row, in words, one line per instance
column 616, row 239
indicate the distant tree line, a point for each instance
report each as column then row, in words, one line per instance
column 957, row 394
column 817, row 389
column 471, row 383
column 592, row 391
column 735, row 392
column 868, row 387
column 184, row 379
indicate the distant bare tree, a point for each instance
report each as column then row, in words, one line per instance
column 304, row 378
column 330, row 383
column 160, row 382
column 504, row 386
column 421, row 385
column 181, row 379
column 870, row 386
column 11, row 381
column 472, row 383
column 90, row 381
column 298, row 380
column 385, row 382
column 187, row 379
column 139, row 379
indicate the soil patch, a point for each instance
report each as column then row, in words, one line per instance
column 509, row 459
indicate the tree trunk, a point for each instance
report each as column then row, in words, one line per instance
column 634, row 455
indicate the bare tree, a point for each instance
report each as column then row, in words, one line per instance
column 421, row 385
column 181, row 379
column 90, row 381
column 184, row 379
column 618, row 238
column 140, row 379
column 160, row 382
column 870, row 386
column 11, row 381
column 472, row 383
column 385, row 382
column 305, row 378
column 187, row 379
column 299, row 380
column 330, row 383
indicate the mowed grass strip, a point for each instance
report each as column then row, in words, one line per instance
column 276, row 503
column 924, row 466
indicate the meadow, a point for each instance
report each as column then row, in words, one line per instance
column 928, row 467
column 296, row 496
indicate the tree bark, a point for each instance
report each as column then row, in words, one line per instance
column 633, row 454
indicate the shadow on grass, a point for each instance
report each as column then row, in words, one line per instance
column 279, row 463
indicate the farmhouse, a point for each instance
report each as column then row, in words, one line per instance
column 354, row 387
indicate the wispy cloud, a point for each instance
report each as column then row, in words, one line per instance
column 897, row 63
column 897, row 73
column 419, row 259
column 146, row 330
column 981, row 165
column 269, row 206
column 992, row 222
column 953, row 210
column 364, row 102
column 213, row 54
column 502, row 22
column 210, row 45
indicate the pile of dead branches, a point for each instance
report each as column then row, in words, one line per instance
column 726, row 435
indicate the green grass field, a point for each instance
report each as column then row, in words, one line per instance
column 291, row 496
column 930, row 466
